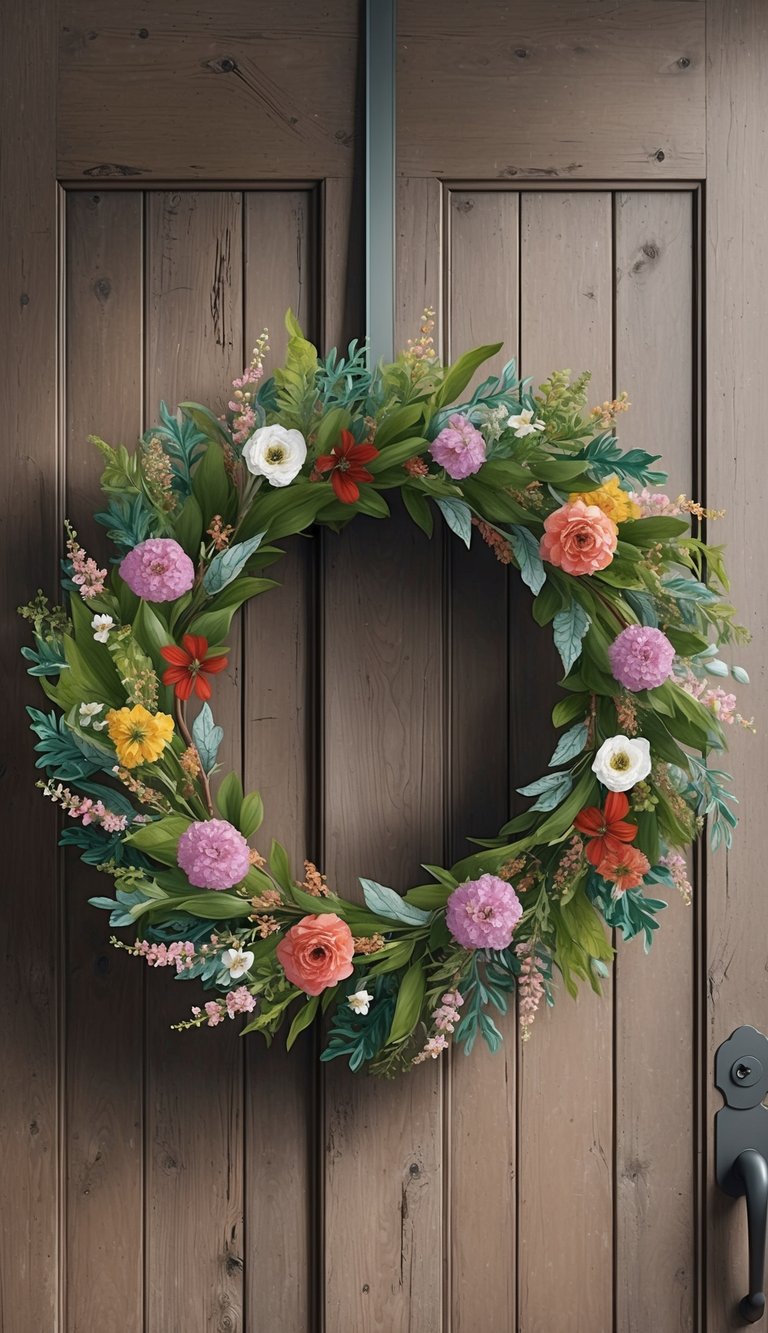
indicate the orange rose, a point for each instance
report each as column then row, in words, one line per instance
column 317, row 952
column 579, row 538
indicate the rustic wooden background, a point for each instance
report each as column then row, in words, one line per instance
column 588, row 182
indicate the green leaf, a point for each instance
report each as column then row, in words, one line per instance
column 251, row 814
column 211, row 485
column 188, row 527
column 458, row 516
column 685, row 641
column 207, row 737
column 548, row 603
column 385, row 902
column 396, row 454
column 410, row 998
column 281, row 869
column 461, row 372
column 160, row 839
column 302, row 1020
column 650, row 531
column 229, row 798
column 227, row 564
column 418, row 507
column 569, row 627
column 152, row 634
column 216, row 906
column 205, row 421
column 398, row 424
column 526, row 549
column 570, row 744
column 429, row 896
column 565, row 710
column 551, row 790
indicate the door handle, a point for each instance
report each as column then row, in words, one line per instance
column 741, row 1147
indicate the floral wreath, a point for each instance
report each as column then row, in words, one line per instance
column 637, row 602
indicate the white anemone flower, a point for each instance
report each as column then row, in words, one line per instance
column 360, row 1002
column 88, row 714
column 101, row 626
column 525, row 424
column 622, row 761
column 237, row 962
column 275, row 453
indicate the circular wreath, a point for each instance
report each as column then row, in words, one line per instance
column 637, row 602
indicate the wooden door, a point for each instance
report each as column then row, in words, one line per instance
column 566, row 181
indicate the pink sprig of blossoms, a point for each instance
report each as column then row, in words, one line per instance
column 444, row 1019
column 530, row 988
column 239, row 1001
column 82, row 807
column 85, row 572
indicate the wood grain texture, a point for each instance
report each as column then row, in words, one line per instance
column 29, row 1168
column 104, row 1077
column 194, row 1146
column 260, row 94
column 483, row 306
column 563, row 90
column 281, row 268
column 565, row 1106
column 384, row 757
column 737, row 316
column 655, row 1229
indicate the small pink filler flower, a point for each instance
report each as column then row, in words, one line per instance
column 459, row 448
column 483, row 913
column 641, row 657
column 579, row 538
column 213, row 854
column 158, row 570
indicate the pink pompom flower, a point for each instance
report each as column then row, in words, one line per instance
column 213, row 854
column 158, row 570
column 483, row 913
column 579, row 538
column 641, row 657
column 459, row 448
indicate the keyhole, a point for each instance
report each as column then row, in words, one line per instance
column 742, row 1072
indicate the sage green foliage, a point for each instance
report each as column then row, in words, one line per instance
column 663, row 575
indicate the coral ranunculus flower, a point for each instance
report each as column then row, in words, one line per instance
column 139, row 736
column 189, row 667
column 606, row 829
column 579, row 538
column 625, row 866
column 317, row 952
column 346, row 464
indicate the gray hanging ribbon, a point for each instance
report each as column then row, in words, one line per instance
column 380, row 178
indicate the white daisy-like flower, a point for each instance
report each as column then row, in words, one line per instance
column 237, row 962
column 622, row 761
column 525, row 424
column 275, row 453
column 102, row 626
column 88, row 714
column 360, row 1002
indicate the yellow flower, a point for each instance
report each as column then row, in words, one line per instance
column 138, row 735
column 611, row 499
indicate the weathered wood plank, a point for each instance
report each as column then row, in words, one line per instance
column 565, row 1106
column 104, row 1076
column 737, row 317
column 281, row 269
column 383, row 790
column 483, row 306
column 240, row 94
column 520, row 91
column 654, row 252
column 29, row 551
column 194, row 1166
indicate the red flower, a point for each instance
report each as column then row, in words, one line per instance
column 190, row 665
column 606, row 829
column 345, row 464
column 625, row 866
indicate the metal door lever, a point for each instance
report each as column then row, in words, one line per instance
column 741, row 1147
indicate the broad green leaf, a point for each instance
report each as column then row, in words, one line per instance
column 526, row 549
column 460, row 373
column 188, row 527
column 216, row 906
column 565, row 710
column 551, row 790
column 160, row 839
column 398, row 424
column 281, row 869
column 211, row 486
column 227, row 564
column 302, row 1020
column 385, row 902
column 570, row 744
column 458, row 516
column 251, row 814
column 569, row 627
column 410, row 998
column 418, row 507
column 207, row 737
column 229, row 798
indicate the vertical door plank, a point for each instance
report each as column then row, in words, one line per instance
column 419, row 241
column 195, row 1087
column 29, row 552
column 281, row 269
column 566, row 1131
column 383, row 791
column 104, row 1076
column 655, row 1228
column 483, row 307
column 737, row 317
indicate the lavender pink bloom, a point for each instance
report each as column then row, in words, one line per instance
column 213, row 854
column 641, row 657
column 459, row 448
column 158, row 570
column 483, row 913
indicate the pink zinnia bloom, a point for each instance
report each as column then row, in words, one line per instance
column 641, row 657
column 158, row 570
column 459, row 448
column 483, row 913
column 213, row 854
column 579, row 538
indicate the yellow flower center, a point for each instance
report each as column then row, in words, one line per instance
column 620, row 761
column 275, row 453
